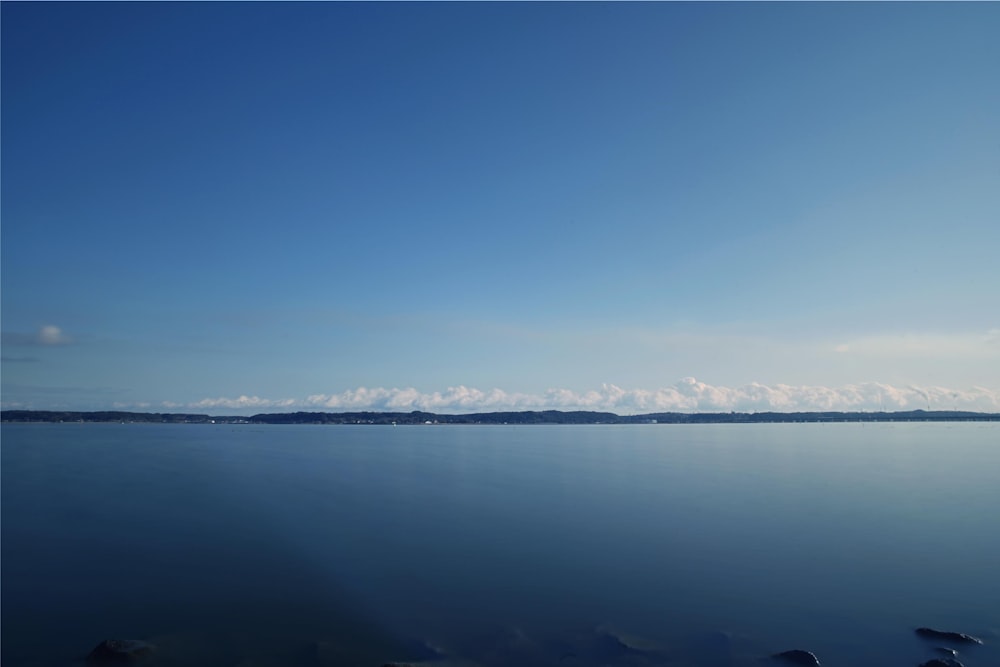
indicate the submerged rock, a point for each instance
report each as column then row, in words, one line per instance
column 719, row 648
column 335, row 652
column 119, row 652
column 446, row 662
column 931, row 633
column 798, row 657
column 939, row 662
column 603, row 646
column 950, row 652
column 589, row 647
column 606, row 646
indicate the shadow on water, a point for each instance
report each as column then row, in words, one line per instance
column 105, row 547
column 214, row 606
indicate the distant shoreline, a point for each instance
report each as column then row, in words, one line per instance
column 496, row 418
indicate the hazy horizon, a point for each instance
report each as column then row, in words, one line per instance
column 467, row 207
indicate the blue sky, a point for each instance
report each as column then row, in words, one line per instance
column 245, row 207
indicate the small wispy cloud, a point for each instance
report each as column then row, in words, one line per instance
column 974, row 346
column 686, row 395
column 17, row 396
column 47, row 335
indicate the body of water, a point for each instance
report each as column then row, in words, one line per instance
column 710, row 545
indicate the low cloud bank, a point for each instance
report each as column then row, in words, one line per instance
column 687, row 395
column 241, row 403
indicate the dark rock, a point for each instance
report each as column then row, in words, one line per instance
column 798, row 657
column 719, row 648
column 950, row 652
column 714, row 649
column 931, row 633
column 605, row 646
column 119, row 652
column 419, row 650
column 316, row 654
column 569, row 648
column 946, row 662
column 507, row 646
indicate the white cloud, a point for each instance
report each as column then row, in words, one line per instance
column 686, row 395
column 51, row 335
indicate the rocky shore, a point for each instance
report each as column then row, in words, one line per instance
column 596, row 647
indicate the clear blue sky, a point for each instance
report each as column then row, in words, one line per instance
column 463, row 206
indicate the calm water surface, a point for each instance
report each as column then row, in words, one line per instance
column 709, row 545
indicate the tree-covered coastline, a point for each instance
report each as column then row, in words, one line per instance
column 521, row 417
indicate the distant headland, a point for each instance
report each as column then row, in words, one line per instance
column 522, row 417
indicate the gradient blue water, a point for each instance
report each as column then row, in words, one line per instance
column 839, row 538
